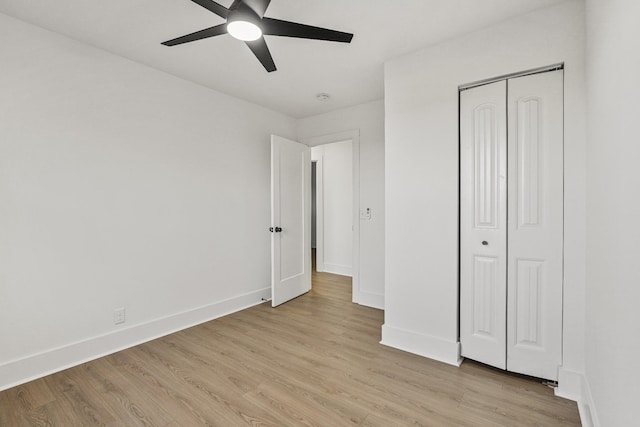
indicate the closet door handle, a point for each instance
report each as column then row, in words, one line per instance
column 485, row 243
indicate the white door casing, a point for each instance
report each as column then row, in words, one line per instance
column 483, row 224
column 290, row 212
column 360, row 294
column 535, row 233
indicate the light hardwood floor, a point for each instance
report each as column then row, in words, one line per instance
column 313, row 361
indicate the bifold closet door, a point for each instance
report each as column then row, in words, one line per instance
column 535, row 226
column 511, row 224
column 483, row 223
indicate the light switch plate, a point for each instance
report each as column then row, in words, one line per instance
column 365, row 213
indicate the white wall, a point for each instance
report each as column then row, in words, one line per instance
column 368, row 119
column 613, row 275
column 120, row 186
column 334, row 253
column 421, row 104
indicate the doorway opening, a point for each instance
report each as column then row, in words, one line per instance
column 314, row 166
column 333, row 207
column 335, row 231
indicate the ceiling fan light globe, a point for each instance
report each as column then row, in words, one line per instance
column 244, row 30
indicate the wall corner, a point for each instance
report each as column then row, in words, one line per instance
column 574, row 386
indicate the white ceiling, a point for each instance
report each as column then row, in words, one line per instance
column 350, row 73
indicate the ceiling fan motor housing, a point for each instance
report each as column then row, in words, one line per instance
column 244, row 23
column 244, row 13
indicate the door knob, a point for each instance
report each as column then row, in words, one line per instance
column 271, row 229
column 485, row 243
column 278, row 229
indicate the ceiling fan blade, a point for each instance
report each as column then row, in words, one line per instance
column 214, row 7
column 258, row 6
column 276, row 27
column 261, row 51
column 198, row 35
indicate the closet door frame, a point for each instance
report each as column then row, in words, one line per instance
column 531, row 348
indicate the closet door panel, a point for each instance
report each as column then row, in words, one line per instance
column 535, row 230
column 483, row 224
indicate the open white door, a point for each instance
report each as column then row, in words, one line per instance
column 290, row 220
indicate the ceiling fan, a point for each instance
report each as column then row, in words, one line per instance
column 246, row 22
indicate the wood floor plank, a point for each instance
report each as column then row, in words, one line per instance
column 33, row 396
column 165, row 386
column 214, row 388
column 10, row 411
column 315, row 360
column 293, row 374
column 82, row 401
column 301, row 409
column 137, row 409
column 56, row 413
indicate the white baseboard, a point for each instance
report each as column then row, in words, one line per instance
column 342, row 270
column 422, row 345
column 588, row 415
column 368, row 299
column 36, row 366
column 574, row 386
column 569, row 384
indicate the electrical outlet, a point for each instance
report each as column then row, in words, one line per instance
column 118, row 316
